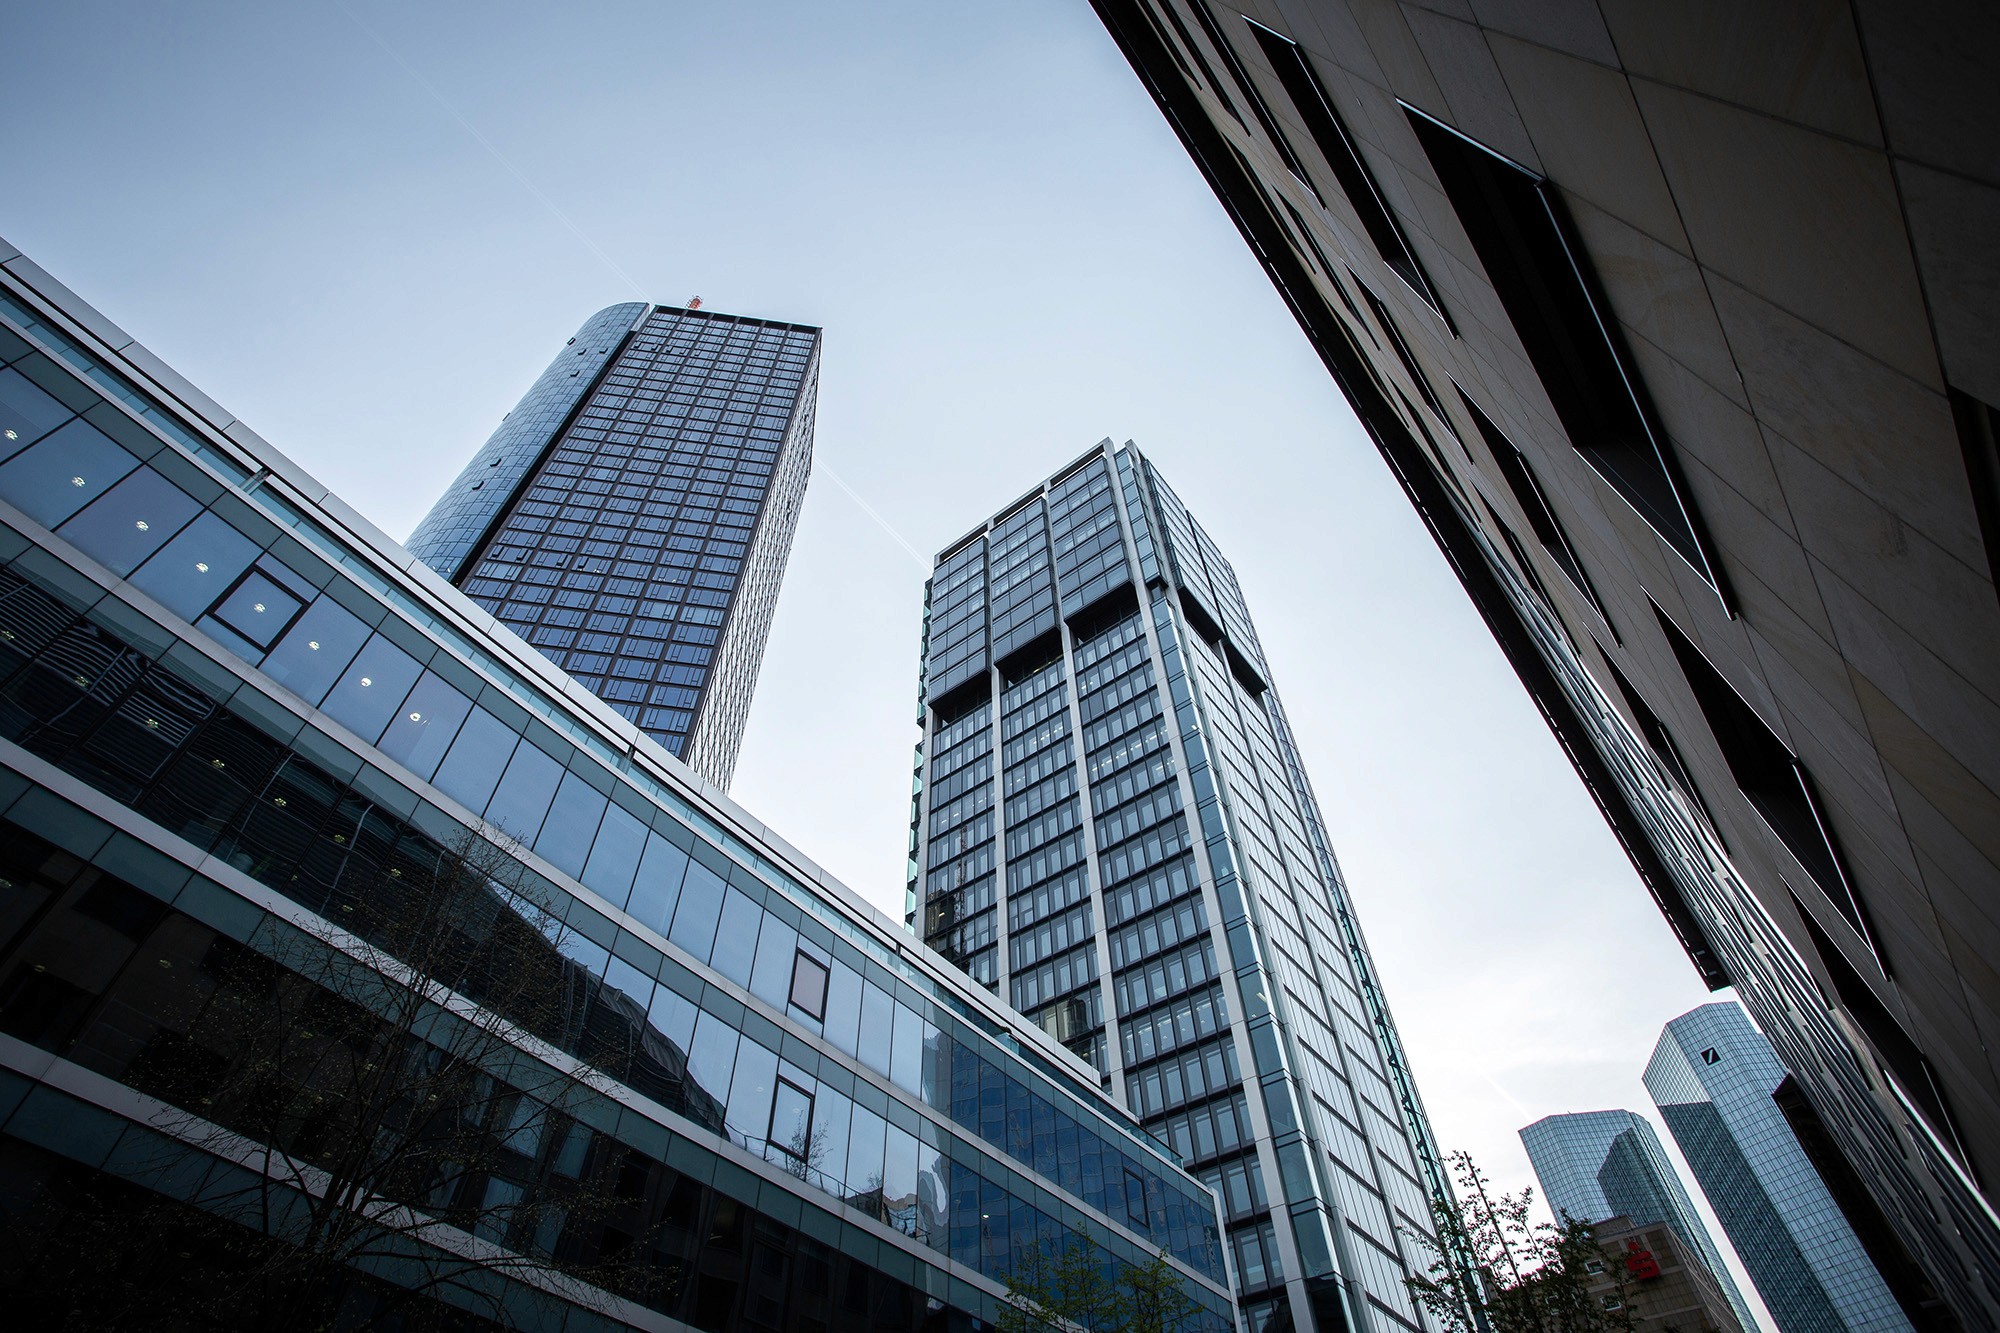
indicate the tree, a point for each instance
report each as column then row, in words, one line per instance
column 1496, row 1269
column 391, row 1099
column 1076, row 1287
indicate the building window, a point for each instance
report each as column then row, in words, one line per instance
column 1979, row 437
column 791, row 1129
column 258, row 609
column 1534, row 503
column 1187, row 40
column 809, row 984
column 1315, row 107
column 1772, row 778
column 1255, row 97
column 1656, row 735
column 1409, row 360
column 1135, row 1198
column 1527, row 568
column 1517, row 227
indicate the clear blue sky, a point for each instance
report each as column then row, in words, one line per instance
column 366, row 227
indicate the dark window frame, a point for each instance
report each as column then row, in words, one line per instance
column 1520, row 229
column 1351, row 172
column 1404, row 354
column 800, row 959
column 1534, row 503
column 264, row 645
column 1774, row 781
column 771, row 1125
column 1254, row 95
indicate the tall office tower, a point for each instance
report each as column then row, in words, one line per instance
column 1712, row 1076
column 254, row 772
column 1114, row 832
column 1597, row 1165
column 631, row 517
column 1674, row 321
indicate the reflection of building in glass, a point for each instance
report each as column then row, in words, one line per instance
column 1667, row 1286
column 230, row 714
column 1113, row 830
column 1685, row 357
column 632, row 515
column 1712, row 1075
column 1595, row 1165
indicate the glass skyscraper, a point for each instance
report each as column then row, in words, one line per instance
column 238, row 729
column 1595, row 1165
column 1113, row 831
column 631, row 517
column 1712, row 1076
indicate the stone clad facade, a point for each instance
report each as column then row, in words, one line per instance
column 1675, row 322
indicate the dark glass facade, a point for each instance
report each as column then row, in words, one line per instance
column 632, row 516
column 228, row 714
column 1712, row 1076
column 1597, row 1165
column 1114, row 833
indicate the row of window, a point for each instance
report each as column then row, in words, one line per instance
column 104, row 974
column 211, row 779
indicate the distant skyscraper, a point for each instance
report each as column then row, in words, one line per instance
column 1712, row 1075
column 1114, row 831
column 631, row 517
column 1595, row 1165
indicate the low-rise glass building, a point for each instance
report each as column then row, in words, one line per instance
column 240, row 727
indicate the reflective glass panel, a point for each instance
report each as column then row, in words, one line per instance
column 628, row 980
column 258, row 609
column 899, row 1177
column 700, row 906
column 713, row 1055
column 657, row 886
column 736, row 938
column 370, row 691
column 316, row 649
column 864, row 1151
column 906, row 1060
column 196, row 567
column 478, row 754
column 26, row 413
column 833, row 1116
column 843, row 1007
column 673, row 1016
column 750, row 1090
column 792, row 1120
column 564, row 840
column 425, row 725
column 525, row 792
column 614, row 857
column 808, row 984
column 777, row 952
column 132, row 520
column 878, row 1019
column 52, row 480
